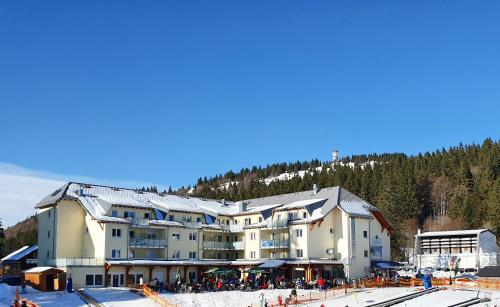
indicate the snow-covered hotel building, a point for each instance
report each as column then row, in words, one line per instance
column 108, row 236
column 476, row 248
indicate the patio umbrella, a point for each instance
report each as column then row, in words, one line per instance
column 212, row 271
column 256, row 270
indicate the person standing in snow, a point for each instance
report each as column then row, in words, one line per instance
column 427, row 281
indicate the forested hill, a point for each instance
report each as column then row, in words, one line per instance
column 452, row 188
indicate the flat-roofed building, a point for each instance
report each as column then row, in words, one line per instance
column 475, row 248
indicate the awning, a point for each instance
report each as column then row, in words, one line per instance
column 385, row 265
column 272, row 264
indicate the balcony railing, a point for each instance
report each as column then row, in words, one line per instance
column 65, row 262
column 237, row 245
column 195, row 225
column 277, row 224
column 274, row 243
column 147, row 243
column 138, row 222
column 232, row 228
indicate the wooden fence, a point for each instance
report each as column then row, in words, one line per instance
column 161, row 301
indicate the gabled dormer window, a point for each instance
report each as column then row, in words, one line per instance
column 114, row 213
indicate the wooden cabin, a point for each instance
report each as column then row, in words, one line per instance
column 45, row 278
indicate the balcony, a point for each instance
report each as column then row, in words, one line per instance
column 232, row 228
column 79, row 262
column 193, row 225
column 265, row 244
column 237, row 245
column 277, row 224
column 147, row 243
column 138, row 222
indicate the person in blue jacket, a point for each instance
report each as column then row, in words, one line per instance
column 427, row 280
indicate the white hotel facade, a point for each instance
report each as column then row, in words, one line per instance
column 108, row 236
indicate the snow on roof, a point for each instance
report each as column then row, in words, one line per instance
column 98, row 200
column 20, row 253
column 39, row 269
column 451, row 233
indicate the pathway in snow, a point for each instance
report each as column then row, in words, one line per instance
column 114, row 297
column 229, row 298
column 364, row 297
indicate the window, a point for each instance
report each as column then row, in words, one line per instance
column 260, row 219
column 48, row 254
column 227, row 255
column 176, row 255
column 192, row 276
column 115, row 253
column 192, row 255
column 138, row 278
column 198, row 219
column 189, row 219
column 252, row 255
column 129, row 214
column 192, row 236
column 176, row 236
column 292, row 216
column 98, row 280
column 248, row 221
column 49, row 214
column 171, row 217
column 304, row 215
column 114, row 213
column 331, row 230
column 86, row 230
column 252, row 236
column 89, row 280
column 116, row 232
column 146, row 215
column 298, row 233
column 365, row 234
column 122, row 279
column 299, row 253
column 273, row 255
column 218, row 255
column 366, row 253
column 219, row 238
column 48, row 234
column 235, row 222
column 278, row 217
column 183, row 218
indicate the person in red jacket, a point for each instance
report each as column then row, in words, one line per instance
column 321, row 283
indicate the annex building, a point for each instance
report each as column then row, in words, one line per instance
column 474, row 248
column 109, row 236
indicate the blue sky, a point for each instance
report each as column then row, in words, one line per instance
column 167, row 91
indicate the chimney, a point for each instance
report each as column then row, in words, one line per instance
column 223, row 202
column 315, row 189
column 418, row 231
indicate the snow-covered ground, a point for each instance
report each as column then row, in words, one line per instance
column 228, row 298
column 435, row 299
column 363, row 297
column 45, row 299
column 114, row 297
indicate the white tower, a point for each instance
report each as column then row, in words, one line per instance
column 335, row 158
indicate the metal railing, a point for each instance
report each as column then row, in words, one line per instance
column 148, row 243
column 277, row 223
column 232, row 228
column 274, row 243
column 195, row 225
column 65, row 262
column 238, row 245
column 139, row 222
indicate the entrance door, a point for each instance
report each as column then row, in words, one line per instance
column 49, row 282
column 115, row 280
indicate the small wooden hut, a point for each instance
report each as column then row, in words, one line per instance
column 45, row 278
